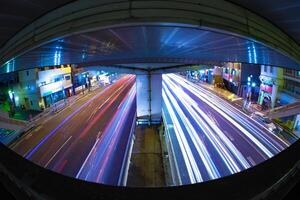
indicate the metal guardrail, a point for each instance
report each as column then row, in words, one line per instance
column 175, row 174
column 126, row 161
column 288, row 106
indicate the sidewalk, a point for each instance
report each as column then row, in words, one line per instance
column 246, row 108
column 25, row 115
column 60, row 105
column 146, row 165
column 38, row 119
column 233, row 98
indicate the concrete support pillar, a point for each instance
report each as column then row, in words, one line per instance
column 149, row 98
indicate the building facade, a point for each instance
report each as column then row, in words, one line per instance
column 242, row 79
column 38, row 88
column 250, row 81
column 232, row 76
column 291, row 93
column 55, row 84
column 271, row 84
column 291, row 85
column 26, row 92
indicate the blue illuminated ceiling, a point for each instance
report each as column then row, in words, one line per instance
column 148, row 44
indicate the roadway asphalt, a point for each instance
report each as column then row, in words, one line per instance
column 63, row 142
column 105, row 160
column 210, row 137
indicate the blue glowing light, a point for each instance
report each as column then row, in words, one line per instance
column 254, row 53
column 57, row 55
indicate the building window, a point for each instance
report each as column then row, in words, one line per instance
column 68, row 77
column 31, row 103
column 271, row 69
column 27, row 73
column 265, row 68
column 289, row 71
column 289, row 85
column 297, row 90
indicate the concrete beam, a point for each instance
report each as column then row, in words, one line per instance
column 118, row 69
column 83, row 16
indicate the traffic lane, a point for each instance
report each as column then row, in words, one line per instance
column 263, row 132
column 74, row 163
column 34, row 136
column 44, row 153
column 270, row 145
column 264, row 135
column 106, row 163
column 70, row 160
column 204, row 138
column 238, row 138
column 244, row 144
column 219, row 161
column 120, row 152
column 198, row 160
column 175, row 147
column 185, row 146
column 69, row 128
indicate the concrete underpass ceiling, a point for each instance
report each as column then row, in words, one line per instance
column 16, row 14
column 283, row 13
column 149, row 44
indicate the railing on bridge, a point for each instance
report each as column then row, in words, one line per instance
column 284, row 111
column 268, row 180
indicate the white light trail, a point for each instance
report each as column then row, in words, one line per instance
column 201, row 149
column 225, row 115
column 184, row 146
column 218, row 142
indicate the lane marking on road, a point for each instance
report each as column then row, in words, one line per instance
column 30, row 153
column 251, row 161
column 38, row 128
column 28, row 136
column 87, row 158
column 44, row 121
column 57, row 152
column 26, row 152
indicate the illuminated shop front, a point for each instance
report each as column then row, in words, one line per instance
column 271, row 84
column 265, row 95
column 55, row 85
column 232, row 76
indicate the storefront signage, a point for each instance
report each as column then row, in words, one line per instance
column 266, row 88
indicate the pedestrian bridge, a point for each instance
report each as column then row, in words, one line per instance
column 284, row 111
